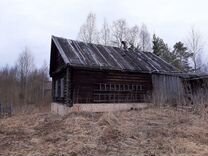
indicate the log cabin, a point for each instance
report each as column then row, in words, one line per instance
column 95, row 77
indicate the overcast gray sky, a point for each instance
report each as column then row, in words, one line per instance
column 32, row 22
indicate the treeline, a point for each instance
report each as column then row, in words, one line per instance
column 184, row 56
column 24, row 84
column 115, row 33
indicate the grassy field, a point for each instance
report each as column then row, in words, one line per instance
column 148, row 132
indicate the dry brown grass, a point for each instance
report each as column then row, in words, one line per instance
column 149, row 132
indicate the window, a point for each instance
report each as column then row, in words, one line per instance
column 107, row 87
column 119, row 92
column 121, row 87
column 130, row 87
column 135, row 88
column 102, row 87
column 56, row 88
column 59, row 88
column 62, row 87
column 141, row 87
column 117, row 87
column 126, row 87
column 112, row 87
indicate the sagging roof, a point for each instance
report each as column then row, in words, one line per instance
column 95, row 56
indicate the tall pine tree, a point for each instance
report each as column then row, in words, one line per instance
column 179, row 57
column 181, row 53
column 160, row 48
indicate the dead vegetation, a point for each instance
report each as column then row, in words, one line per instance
column 149, row 132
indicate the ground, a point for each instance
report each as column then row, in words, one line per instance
column 147, row 132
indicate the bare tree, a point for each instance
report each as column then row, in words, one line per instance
column 43, row 72
column 37, row 86
column 195, row 46
column 8, row 85
column 105, row 34
column 24, row 84
column 119, row 31
column 88, row 32
column 25, row 65
column 145, row 41
column 133, row 36
column 115, row 34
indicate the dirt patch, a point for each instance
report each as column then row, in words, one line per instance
column 149, row 132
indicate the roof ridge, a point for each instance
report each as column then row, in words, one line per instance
column 99, row 44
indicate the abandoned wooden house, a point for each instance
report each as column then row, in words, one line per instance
column 89, row 73
column 104, row 77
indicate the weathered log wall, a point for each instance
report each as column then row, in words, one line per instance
column 110, row 87
column 62, row 91
column 91, row 86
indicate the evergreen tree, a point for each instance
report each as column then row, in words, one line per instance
column 182, row 55
column 160, row 48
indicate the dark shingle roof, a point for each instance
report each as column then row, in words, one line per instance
column 80, row 54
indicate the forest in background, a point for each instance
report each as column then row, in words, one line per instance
column 24, row 84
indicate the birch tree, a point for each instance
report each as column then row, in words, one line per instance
column 88, row 32
column 25, row 66
column 145, row 41
column 119, row 32
column 105, row 34
column 133, row 36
